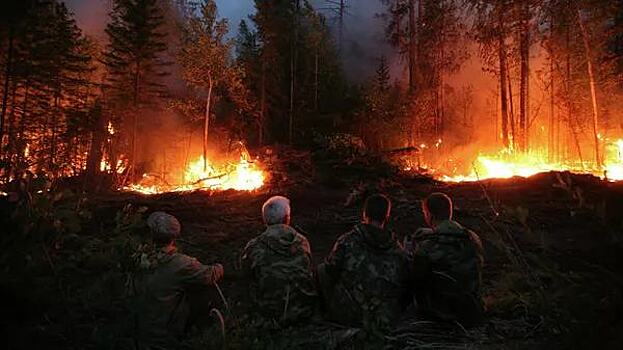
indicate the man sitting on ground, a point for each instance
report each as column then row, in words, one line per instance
column 279, row 264
column 163, row 283
column 447, row 262
column 365, row 277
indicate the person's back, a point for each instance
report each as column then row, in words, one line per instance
column 365, row 277
column 447, row 262
column 278, row 264
column 162, row 284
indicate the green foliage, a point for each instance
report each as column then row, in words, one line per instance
column 205, row 55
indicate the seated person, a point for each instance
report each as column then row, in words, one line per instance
column 279, row 265
column 447, row 264
column 164, row 282
column 365, row 278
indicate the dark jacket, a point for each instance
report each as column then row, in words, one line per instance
column 365, row 278
column 447, row 264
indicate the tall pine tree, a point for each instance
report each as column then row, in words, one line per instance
column 135, row 59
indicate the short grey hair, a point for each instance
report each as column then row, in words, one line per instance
column 275, row 210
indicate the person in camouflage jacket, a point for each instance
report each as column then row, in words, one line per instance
column 279, row 265
column 365, row 278
column 164, row 283
column 447, row 263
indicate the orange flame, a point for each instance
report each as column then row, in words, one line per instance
column 507, row 164
column 242, row 176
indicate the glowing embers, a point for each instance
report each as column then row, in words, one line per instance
column 244, row 175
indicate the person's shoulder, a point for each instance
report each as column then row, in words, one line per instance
column 425, row 237
column 352, row 237
column 475, row 238
column 400, row 253
column 251, row 246
column 303, row 241
column 182, row 260
column 423, row 233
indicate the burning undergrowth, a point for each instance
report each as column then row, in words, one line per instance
column 242, row 174
column 477, row 162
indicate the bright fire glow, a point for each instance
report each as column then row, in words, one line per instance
column 111, row 129
column 509, row 164
column 106, row 167
column 244, row 175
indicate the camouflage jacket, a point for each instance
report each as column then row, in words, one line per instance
column 447, row 266
column 278, row 264
column 365, row 278
column 161, row 286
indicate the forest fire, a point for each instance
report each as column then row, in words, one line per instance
column 507, row 164
column 132, row 214
column 244, row 175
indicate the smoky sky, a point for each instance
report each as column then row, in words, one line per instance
column 92, row 15
column 363, row 31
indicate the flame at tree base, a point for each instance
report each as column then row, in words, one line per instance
column 507, row 164
column 199, row 175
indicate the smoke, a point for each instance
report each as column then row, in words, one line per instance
column 91, row 15
column 363, row 37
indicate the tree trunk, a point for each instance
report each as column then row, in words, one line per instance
column 262, row 104
column 524, row 50
column 11, row 125
column 440, row 76
column 137, row 77
column 316, row 86
column 22, row 122
column 511, row 115
column 551, row 129
column 206, row 124
column 94, row 157
column 412, row 44
column 503, row 75
column 591, row 77
column 53, row 140
column 340, row 20
column 7, row 77
column 293, row 68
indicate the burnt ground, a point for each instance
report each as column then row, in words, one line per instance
column 553, row 243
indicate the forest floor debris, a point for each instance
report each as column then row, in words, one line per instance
column 552, row 277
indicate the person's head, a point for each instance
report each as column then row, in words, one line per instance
column 376, row 210
column 437, row 207
column 165, row 228
column 276, row 210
